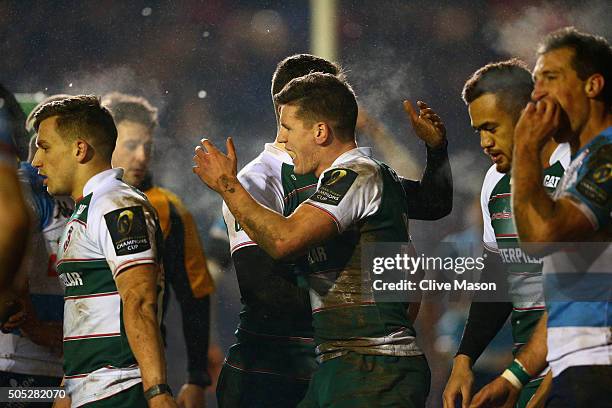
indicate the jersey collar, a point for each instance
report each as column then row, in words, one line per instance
column 100, row 179
column 352, row 154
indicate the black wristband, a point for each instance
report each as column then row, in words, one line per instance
column 437, row 151
column 200, row 378
column 156, row 390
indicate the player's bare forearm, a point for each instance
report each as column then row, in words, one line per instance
column 279, row 236
column 531, row 204
column 533, row 354
column 14, row 225
column 138, row 290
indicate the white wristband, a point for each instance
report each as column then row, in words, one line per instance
column 513, row 379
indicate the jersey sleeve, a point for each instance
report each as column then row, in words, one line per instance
column 265, row 192
column 349, row 194
column 128, row 234
column 488, row 236
column 591, row 190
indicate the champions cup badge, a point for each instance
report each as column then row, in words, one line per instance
column 336, row 176
column 603, row 173
column 124, row 222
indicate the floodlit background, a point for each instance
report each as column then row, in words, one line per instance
column 207, row 65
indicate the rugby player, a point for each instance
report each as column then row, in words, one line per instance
column 184, row 261
column 276, row 317
column 495, row 95
column 14, row 217
column 572, row 101
column 108, row 260
column 357, row 200
column 273, row 359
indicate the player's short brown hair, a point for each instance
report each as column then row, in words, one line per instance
column 322, row 97
column 299, row 65
column 510, row 80
column 133, row 108
column 83, row 117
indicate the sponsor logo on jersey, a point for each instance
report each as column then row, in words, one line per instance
column 71, row 279
column 334, row 186
column 551, row 181
column 82, row 208
column 501, row 215
column 516, row 255
column 128, row 230
column 68, row 237
column 317, row 254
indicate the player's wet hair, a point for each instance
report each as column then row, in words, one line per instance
column 510, row 80
column 83, row 117
column 133, row 108
column 299, row 65
column 592, row 55
column 322, row 97
column 30, row 119
column 13, row 120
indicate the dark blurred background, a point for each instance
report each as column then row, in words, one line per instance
column 207, row 65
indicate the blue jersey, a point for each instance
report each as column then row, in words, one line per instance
column 578, row 283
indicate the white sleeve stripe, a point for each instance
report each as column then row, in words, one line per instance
column 297, row 190
column 242, row 244
column 326, row 212
column 132, row 262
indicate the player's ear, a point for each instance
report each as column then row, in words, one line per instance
column 83, row 151
column 594, row 85
column 323, row 134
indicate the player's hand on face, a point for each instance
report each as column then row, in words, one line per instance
column 498, row 393
column 537, row 124
column 215, row 168
column 459, row 385
column 426, row 124
column 191, row 396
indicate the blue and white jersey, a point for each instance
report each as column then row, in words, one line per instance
column 18, row 354
column 578, row 279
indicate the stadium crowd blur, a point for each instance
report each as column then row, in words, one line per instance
column 207, row 65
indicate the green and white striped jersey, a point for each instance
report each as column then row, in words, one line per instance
column 500, row 236
column 113, row 227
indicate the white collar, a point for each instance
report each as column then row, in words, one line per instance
column 352, row 154
column 101, row 178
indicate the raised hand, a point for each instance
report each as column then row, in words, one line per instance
column 426, row 124
column 215, row 168
column 538, row 123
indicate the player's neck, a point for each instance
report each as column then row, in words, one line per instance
column 599, row 120
column 332, row 154
column 84, row 175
